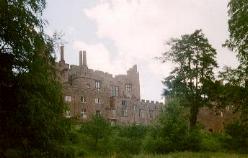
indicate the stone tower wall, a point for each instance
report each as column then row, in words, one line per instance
column 85, row 99
column 116, row 98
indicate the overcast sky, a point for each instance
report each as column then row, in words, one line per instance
column 120, row 33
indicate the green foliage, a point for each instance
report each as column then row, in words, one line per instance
column 194, row 155
column 171, row 132
column 238, row 42
column 214, row 142
column 32, row 121
column 117, row 141
column 238, row 29
column 21, row 30
column 238, row 78
column 238, row 137
column 195, row 60
column 97, row 132
column 128, row 139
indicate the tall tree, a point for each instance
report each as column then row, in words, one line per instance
column 237, row 78
column 96, row 130
column 238, row 42
column 195, row 60
column 238, row 29
column 31, row 104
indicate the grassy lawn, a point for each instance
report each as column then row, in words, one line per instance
column 180, row 155
column 194, row 155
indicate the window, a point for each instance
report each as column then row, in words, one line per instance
column 124, row 108
column 83, row 113
column 124, row 102
column 68, row 114
column 98, row 113
column 151, row 113
column 124, row 112
column 140, row 113
column 82, row 99
column 114, row 112
column 97, row 85
column 114, row 91
column 221, row 114
column 134, row 107
column 227, row 108
column 128, row 87
column 68, row 98
column 97, row 100
column 112, row 122
column 88, row 85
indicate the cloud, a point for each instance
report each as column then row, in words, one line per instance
column 97, row 55
column 139, row 29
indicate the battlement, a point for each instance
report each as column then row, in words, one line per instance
column 88, row 88
column 132, row 69
column 151, row 103
column 75, row 69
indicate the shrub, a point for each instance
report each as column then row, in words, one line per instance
column 128, row 139
column 170, row 132
column 213, row 141
column 238, row 137
column 193, row 140
column 96, row 135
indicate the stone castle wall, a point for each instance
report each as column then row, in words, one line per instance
column 116, row 98
column 86, row 97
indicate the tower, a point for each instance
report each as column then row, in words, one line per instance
column 82, row 58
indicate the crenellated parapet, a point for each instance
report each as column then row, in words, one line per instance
column 116, row 97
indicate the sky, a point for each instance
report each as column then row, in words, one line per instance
column 117, row 34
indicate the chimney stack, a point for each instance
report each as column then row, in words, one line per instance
column 62, row 53
column 84, row 58
column 80, row 58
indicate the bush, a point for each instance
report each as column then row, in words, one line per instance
column 170, row 132
column 238, row 137
column 96, row 135
column 193, row 140
column 213, row 141
column 128, row 139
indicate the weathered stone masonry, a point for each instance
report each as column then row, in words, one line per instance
column 117, row 98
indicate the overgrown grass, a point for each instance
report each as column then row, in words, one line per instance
column 194, row 155
column 181, row 155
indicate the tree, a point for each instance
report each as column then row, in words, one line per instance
column 195, row 60
column 237, row 78
column 238, row 42
column 21, row 29
column 238, row 29
column 97, row 129
column 128, row 139
column 170, row 132
column 32, row 121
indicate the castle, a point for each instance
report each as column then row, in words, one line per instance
column 116, row 98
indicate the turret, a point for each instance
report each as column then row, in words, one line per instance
column 62, row 53
column 84, row 58
column 80, row 58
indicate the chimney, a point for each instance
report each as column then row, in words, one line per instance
column 62, row 53
column 84, row 58
column 80, row 58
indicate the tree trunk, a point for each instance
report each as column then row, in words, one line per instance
column 193, row 116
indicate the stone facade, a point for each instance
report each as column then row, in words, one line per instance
column 214, row 119
column 117, row 98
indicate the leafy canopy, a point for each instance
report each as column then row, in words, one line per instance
column 31, row 104
column 195, row 60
